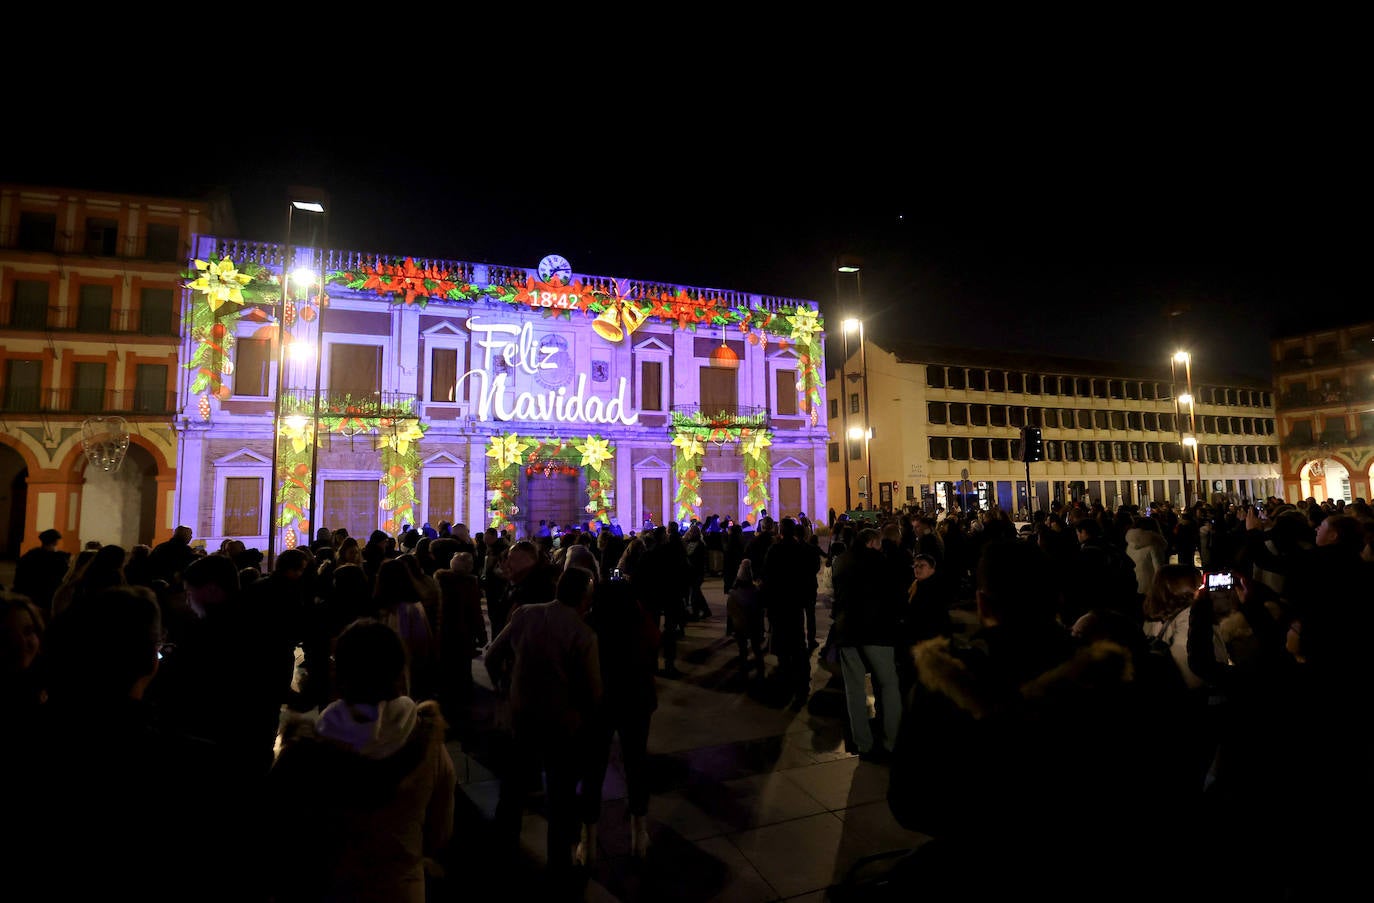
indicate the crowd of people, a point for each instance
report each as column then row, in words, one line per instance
column 1141, row 686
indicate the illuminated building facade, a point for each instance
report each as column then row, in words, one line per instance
column 947, row 426
column 1324, row 383
column 399, row 391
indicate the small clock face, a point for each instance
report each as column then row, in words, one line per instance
column 552, row 266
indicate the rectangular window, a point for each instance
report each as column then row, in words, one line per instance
column 163, row 242
column 978, row 414
column 443, row 377
column 30, row 304
column 95, row 304
column 351, row 504
column 956, row 378
column 977, row 380
column 1016, row 417
column 789, row 496
column 978, row 449
column 1118, row 420
column 1100, row 420
column 252, row 366
column 23, row 380
column 37, row 231
column 719, row 390
column 150, row 388
column 1033, row 384
column 937, row 412
column 958, row 448
column 958, row 414
column 834, row 453
column 997, row 415
column 935, row 377
column 155, row 311
column 1301, row 431
column 939, row 448
column 856, row 449
column 440, row 500
column 102, row 236
column 853, row 402
column 785, row 387
column 355, row 376
column 651, row 498
column 834, row 408
column 88, row 387
column 651, row 386
column 242, row 506
column 1000, row 450
column 997, row 381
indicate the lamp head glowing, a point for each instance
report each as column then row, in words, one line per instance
column 851, row 324
column 308, row 206
column 304, row 276
column 1185, row 398
column 847, row 268
column 856, row 432
column 296, row 422
column 1189, row 439
column 1181, row 357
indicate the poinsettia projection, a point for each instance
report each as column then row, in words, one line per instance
column 692, row 432
column 511, row 452
column 404, row 282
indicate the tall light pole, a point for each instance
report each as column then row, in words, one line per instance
column 849, row 266
column 1188, row 439
column 309, row 201
column 866, row 432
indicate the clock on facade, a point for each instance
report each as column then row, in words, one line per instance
column 554, row 265
column 561, row 374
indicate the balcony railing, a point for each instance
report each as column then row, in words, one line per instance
column 724, row 416
column 26, row 317
column 301, row 402
column 23, row 400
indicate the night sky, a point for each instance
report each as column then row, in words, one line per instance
column 1070, row 230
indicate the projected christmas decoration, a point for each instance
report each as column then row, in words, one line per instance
column 511, row 452
column 614, row 314
column 397, row 433
column 691, row 433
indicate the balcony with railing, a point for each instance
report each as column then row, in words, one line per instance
column 36, row 318
column 718, row 416
column 77, row 400
column 270, row 255
column 301, row 402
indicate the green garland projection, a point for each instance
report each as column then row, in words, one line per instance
column 404, row 282
column 510, row 451
column 691, row 431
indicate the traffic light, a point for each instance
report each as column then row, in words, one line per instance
column 1032, row 449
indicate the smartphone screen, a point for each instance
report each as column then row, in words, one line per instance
column 1220, row 581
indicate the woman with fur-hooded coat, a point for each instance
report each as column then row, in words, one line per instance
column 365, row 793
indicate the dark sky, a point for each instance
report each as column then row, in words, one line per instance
column 1009, row 221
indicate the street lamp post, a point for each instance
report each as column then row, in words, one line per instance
column 866, row 432
column 309, row 201
column 1188, row 439
column 848, row 266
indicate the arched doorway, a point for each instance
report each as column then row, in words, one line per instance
column 120, row 507
column 1326, row 478
column 14, row 497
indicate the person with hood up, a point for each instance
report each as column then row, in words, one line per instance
column 365, row 792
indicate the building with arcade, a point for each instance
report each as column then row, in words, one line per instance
column 369, row 392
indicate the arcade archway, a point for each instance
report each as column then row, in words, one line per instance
column 1326, row 478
